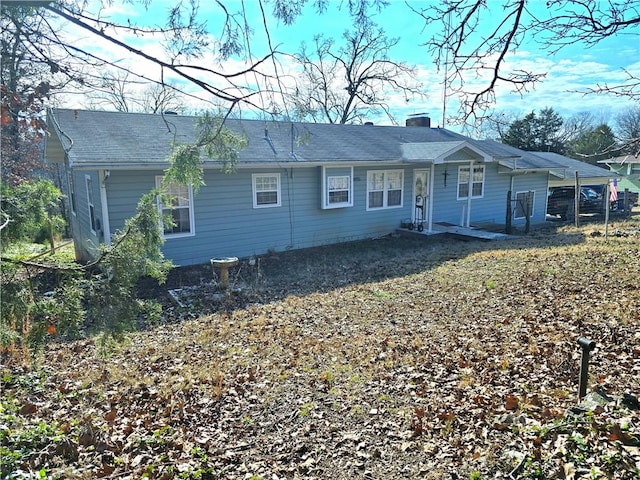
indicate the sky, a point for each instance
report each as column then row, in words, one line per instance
column 569, row 72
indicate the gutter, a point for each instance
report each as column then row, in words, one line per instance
column 245, row 165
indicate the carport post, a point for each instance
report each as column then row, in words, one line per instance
column 607, row 204
column 576, row 201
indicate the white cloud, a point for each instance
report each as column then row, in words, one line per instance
column 566, row 77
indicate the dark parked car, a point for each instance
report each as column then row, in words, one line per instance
column 560, row 201
column 619, row 204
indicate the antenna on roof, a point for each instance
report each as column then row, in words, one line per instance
column 446, row 73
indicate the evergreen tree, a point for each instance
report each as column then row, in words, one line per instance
column 595, row 144
column 536, row 133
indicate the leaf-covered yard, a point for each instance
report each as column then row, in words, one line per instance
column 393, row 358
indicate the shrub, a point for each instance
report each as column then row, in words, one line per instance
column 96, row 298
column 31, row 211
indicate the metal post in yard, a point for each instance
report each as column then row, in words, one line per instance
column 587, row 346
column 627, row 203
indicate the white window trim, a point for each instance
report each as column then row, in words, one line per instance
column 385, row 191
column 533, row 204
column 192, row 225
column 466, row 167
column 326, row 204
column 254, row 177
column 91, row 205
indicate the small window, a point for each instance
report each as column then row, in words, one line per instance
column 338, row 189
column 266, row 190
column 384, row 189
column 524, row 204
column 477, row 182
column 175, row 204
column 336, row 186
column 90, row 204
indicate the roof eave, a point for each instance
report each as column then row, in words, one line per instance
column 523, row 171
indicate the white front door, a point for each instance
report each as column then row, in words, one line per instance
column 420, row 195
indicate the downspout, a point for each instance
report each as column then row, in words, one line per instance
column 468, row 220
column 432, row 182
column 106, row 230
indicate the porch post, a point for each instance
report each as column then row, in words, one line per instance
column 432, row 176
column 470, row 192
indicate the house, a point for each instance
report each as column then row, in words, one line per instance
column 627, row 169
column 296, row 185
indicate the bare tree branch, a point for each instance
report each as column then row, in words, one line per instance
column 345, row 85
column 475, row 40
column 177, row 69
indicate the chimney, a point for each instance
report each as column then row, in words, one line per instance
column 418, row 120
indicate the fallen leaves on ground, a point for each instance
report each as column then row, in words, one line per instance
column 393, row 358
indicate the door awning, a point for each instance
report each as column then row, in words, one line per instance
column 443, row 152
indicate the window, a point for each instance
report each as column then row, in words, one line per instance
column 337, row 187
column 266, row 190
column 338, row 190
column 477, row 182
column 524, row 203
column 90, row 204
column 384, row 189
column 175, row 206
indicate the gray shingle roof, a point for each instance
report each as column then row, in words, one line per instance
column 101, row 139
column 111, row 139
column 570, row 166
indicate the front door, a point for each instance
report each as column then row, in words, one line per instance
column 420, row 195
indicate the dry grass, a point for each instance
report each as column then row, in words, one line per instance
column 394, row 358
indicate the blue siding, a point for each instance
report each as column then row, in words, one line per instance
column 124, row 190
column 491, row 208
column 536, row 182
column 227, row 224
column 86, row 240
